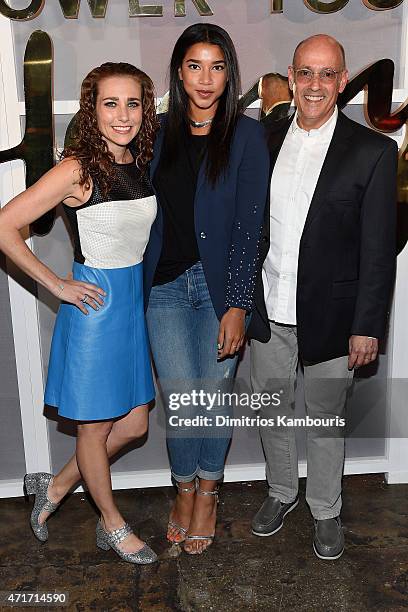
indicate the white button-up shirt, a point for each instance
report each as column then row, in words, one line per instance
column 293, row 183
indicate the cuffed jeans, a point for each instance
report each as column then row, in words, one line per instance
column 273, row 368
column 183, row 330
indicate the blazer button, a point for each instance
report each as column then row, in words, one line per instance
column 203, row 235
column 264, row 238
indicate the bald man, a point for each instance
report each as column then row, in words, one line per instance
column 273, row 90
column 328, row 253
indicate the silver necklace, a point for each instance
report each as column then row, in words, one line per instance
column 200, row 124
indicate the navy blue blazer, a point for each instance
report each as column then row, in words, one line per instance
column 228, row 220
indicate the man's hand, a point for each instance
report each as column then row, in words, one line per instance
column 232, row 332
column 362, row 350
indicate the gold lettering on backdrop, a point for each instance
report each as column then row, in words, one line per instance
column 276, row 6
column 146, row 10
column 70, row 8
column 382, row 5
column 325, row 7
column 336, row 5
column 37, row 147
column 34, row 9
column 201, row 5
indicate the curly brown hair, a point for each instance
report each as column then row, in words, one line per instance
column 87, row 144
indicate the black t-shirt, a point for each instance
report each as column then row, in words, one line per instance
column 176, row 188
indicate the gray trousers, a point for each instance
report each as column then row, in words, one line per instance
column 273, row 369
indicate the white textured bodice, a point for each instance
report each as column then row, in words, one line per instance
column 112, row 230
column 115, row 234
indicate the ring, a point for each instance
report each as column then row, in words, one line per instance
column 84, row 299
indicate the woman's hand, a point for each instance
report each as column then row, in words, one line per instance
column 79, row 293
column 232, row 332
column 58, row 184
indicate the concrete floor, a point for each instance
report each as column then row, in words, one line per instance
column 239, row 572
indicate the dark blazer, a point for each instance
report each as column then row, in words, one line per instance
column 347, row 250
column 228, row 220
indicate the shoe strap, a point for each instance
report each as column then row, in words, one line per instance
column 49, row 506
column 200, row 537
column 118, row 535
column 185, row 489
column 201, row 492
column 182, row 530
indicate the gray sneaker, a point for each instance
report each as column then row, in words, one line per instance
column 328, row 542
column 269, row 518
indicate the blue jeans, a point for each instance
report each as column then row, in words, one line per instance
column 183, row 330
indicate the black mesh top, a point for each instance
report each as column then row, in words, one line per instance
column 130, row 184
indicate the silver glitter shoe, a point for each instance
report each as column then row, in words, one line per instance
column 111, row 539
column 37, row 484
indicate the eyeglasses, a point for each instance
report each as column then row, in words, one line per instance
column 326, row 75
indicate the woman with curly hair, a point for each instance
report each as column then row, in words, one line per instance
column 99, row 370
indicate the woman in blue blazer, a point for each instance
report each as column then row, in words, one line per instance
column 210, row 173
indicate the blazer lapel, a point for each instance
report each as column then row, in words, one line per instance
column 336, row 151
column 275, row 140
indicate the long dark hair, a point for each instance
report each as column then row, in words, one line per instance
column 224, row 122
column 87, row 144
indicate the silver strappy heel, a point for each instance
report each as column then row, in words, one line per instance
column 111, row 539
column 37, row 484
column 211, row 537
column 182, row 530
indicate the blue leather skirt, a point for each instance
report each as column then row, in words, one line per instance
column 99, row 365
